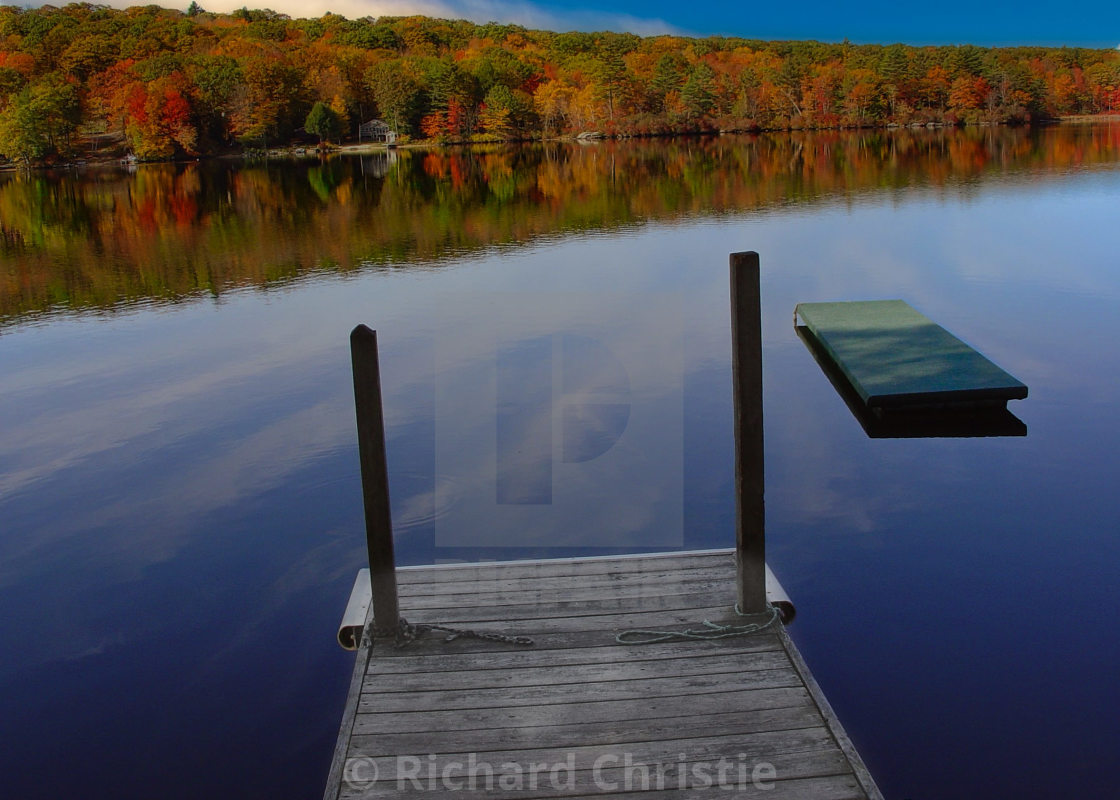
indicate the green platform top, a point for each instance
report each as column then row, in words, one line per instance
column 896, row 357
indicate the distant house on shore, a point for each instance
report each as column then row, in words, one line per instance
column 377, row 130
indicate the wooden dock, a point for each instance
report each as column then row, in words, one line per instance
column 729, row 706
column 595, row 718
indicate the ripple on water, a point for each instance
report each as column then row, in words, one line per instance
column 425, row 504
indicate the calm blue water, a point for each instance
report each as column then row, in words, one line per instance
column 181, row 513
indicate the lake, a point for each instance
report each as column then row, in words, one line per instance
column 180, row 505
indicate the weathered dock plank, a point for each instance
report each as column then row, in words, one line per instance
column 607, row 731
column 579, row 713
column 652, row 709
column 551, row 675
column 404, row 661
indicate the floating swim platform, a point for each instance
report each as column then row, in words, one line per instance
column 896, row 358
column 921, row 423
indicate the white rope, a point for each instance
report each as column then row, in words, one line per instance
column 711, row 630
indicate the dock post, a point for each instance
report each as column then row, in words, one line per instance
column 375, row 477
column 746, row 378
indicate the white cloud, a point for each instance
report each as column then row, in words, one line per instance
column 508, row 11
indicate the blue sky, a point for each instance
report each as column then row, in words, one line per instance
column 1087, row 23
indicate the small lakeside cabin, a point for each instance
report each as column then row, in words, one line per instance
column 377, row 131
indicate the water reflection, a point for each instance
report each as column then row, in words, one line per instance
column 106, row 238
column 179, row 492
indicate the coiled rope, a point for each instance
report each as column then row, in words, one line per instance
column 711, row 630
column 406, row 632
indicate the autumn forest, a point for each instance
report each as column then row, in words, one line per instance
column 158, row 83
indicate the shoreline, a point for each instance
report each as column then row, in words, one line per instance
column 1088, row 119
column 584, row 137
